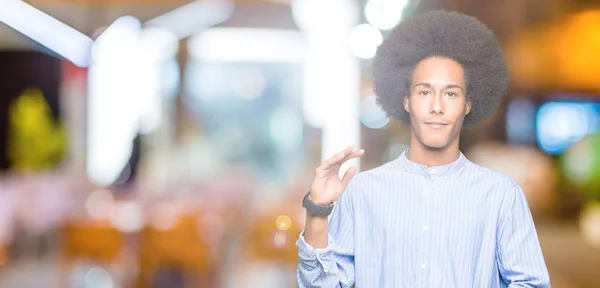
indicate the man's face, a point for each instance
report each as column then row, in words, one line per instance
column 438, row 103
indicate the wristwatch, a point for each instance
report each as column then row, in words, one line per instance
column 316, row 209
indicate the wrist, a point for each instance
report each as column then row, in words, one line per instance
column 316, row 209
column 317, row 200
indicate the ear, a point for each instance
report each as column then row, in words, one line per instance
column 405, row 103
column 468, row 107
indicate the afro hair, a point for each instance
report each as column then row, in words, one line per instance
column 452, row 35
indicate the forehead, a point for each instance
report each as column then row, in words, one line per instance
column 439, row 71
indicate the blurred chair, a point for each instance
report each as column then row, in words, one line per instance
column 177, row 249
column 97, row 241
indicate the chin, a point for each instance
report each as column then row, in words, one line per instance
column 435, row 144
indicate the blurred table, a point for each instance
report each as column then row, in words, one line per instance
column 571, row 261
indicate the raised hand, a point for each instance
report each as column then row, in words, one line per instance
column 327, row 185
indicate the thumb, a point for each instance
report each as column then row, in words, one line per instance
column 348, row 175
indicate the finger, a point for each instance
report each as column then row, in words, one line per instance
column 352, row 155
column 336, row 158
column 335, row 163
column 335, row 168
column 344, row 155
column 327, row 164
column 348, row 175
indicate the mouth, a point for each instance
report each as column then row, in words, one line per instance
column 436, row 124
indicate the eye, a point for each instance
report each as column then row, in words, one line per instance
column 424, row 93
column 452, row 94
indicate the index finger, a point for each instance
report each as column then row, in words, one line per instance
column 341, row 157
column 352, row 155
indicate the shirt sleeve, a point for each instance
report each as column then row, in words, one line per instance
column 519, row 253
column 332, row 266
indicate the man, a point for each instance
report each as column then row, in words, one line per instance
column 430, row 218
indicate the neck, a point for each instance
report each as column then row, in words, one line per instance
column 430, row 157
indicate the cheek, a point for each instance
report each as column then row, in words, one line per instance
column 457, row 111
column 418, row 109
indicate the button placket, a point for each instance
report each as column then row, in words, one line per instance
column 424, row 257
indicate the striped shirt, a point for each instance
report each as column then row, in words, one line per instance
column 404, row 224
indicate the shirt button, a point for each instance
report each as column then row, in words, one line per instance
column 433, row 171
column 425, row 228
column 423, row 266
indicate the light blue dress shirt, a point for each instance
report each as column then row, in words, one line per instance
column 407, row 225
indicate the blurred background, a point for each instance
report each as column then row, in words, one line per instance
column 169, row 143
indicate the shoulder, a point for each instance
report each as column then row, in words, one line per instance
column 496, row 181
column 372, row 176
column 369, row 179
column 492, row 176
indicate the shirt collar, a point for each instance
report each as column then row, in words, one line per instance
column 435, row 171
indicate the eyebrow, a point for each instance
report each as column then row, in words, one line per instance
column 427, row 85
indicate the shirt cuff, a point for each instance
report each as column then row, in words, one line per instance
column 310, row 257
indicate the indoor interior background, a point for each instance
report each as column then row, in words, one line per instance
column 155, row 143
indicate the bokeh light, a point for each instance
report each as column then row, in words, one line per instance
column 590, row 224
column 384, row 14
column 100, row 204
column 581, row 165
column 560, row 124
column 128, row 217
column 164, row 216
column 98, row 277
column 364, row 40
column 371, row 114
column 283, row 222
column 280, row 239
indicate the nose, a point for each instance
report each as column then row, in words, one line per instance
column 437, row 104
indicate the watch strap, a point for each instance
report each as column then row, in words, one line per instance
column 316, row 209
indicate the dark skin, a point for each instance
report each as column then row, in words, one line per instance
column 437, row 106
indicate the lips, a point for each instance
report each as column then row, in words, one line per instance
column 436, row 124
